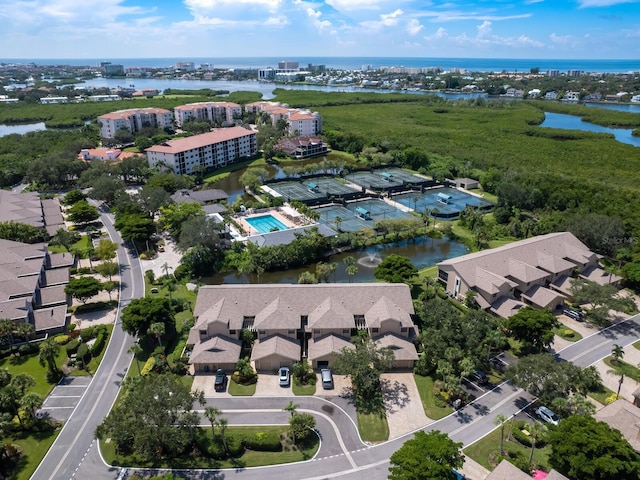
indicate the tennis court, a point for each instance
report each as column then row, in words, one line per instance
column 388, row 179
column 449, row 201
column 313, row 190
column 353, row 217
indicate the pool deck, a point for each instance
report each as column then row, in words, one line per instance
column 250, row 231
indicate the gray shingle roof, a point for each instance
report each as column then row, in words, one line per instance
column 327, row 344
column 402, row 348
column 50, row 318
column 217, row 349
column 276, row 345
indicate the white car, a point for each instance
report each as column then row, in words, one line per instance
column 547, row 415
column 284, row 377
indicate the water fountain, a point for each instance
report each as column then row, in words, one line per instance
column 370, row 260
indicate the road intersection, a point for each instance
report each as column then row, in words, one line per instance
column 75, row 453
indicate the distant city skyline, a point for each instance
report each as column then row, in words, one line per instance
column 587, row 29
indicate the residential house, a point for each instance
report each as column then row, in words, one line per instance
column 624, row 417
column 302, row 146
column 551, row 96
column 134, row 120
column 508, row 471
column 224, row 113
column 105, row 154
column 291, row 322
column 209, row 150
column 536, row 271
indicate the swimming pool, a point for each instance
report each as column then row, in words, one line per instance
column 266, row 223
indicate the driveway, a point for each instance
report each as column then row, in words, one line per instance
column 402, row 403
column 269, row 386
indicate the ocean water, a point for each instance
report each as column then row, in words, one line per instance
column 356, row 63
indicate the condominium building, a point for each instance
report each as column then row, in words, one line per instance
column 209, row 150
column 134, row 120
column 300, row 122
column 221, row 112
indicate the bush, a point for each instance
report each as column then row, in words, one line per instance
column 181, row 272
column 83, row 270
column 610, row 399
column 27, row 349
column 150, row 276
column 72, row 347
column 83, row 354
column 98, row 345
column 523, row 438
column 148, row 366
column 263, row 442
column 235, row 445
column 61, row 339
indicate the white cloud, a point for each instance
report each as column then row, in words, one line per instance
column 315, row 16
column 351, row 5
column 560, row 39
column 414, row 27
column 390, row 19
column 439, row 34
column 484, row 30
column 602, row 3
column 213, row 4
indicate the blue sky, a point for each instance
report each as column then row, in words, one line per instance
column 541, row 29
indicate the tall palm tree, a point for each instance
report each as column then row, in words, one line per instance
column 7, row 327
column 223, row 423
column 25, row 330
column 501, row 420
column 134, row 350
column 535, row 430
column 352, row 271
column 617, row 353
column 31, row 402
column 48, row 352
column 212, row 414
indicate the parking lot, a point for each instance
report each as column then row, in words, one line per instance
column 64, row 397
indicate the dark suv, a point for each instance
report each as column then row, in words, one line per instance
column 220, row 382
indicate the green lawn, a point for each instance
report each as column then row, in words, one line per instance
column 431, row 410
column 303, row 389
column 567, row 333
column 34, row 447
column 224, row 172
column 624, row 368
column 30, row 365
column 601, row 395
column 373, row 427
column 486, row 450
column 250, row 458
column 238, row 390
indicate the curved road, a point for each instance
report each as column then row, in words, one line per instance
column 67, row 453
column 342, row 454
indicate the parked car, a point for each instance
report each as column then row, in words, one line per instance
column 459, row 476
column 284, row 377
column 479, row 377
column 547, row 415
column 327, row 379
column 573, row 314
column 220, row 383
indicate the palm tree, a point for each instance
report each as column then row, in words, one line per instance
column 501, row 420
column 7, row 327
column 617, row 353
column 134, row 350
column 212, row 414
column 158, row 330
column 31, row 402
column 223, row 423
column 352, row 271
column 535, row 430
column 620, row 380
column 25, row 330
column 337, row 220
column 48, row 352
column 291, row 408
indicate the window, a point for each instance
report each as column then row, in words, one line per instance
column 203, row 332
column 375, row 330
column 442, row 275
column 232, row 332
column 403, row 330
column 346, row 331
column 262, row 332
column 291, row 331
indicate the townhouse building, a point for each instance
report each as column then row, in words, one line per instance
column 219, row 112
column 537, row 271
column 134, row 120
column 209, row 150
column 291, row 322
column 302, row 146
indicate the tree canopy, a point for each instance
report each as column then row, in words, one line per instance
column 82, row 212
column 427, row 456
column 154, row 417
column 533, row 328
column 138, row 316
column 395, row 269
column 83, row 288
column 545, row 377
column 21, row 232
column 586, row 449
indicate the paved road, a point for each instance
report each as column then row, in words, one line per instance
column 342, row 454
column 68, row 453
